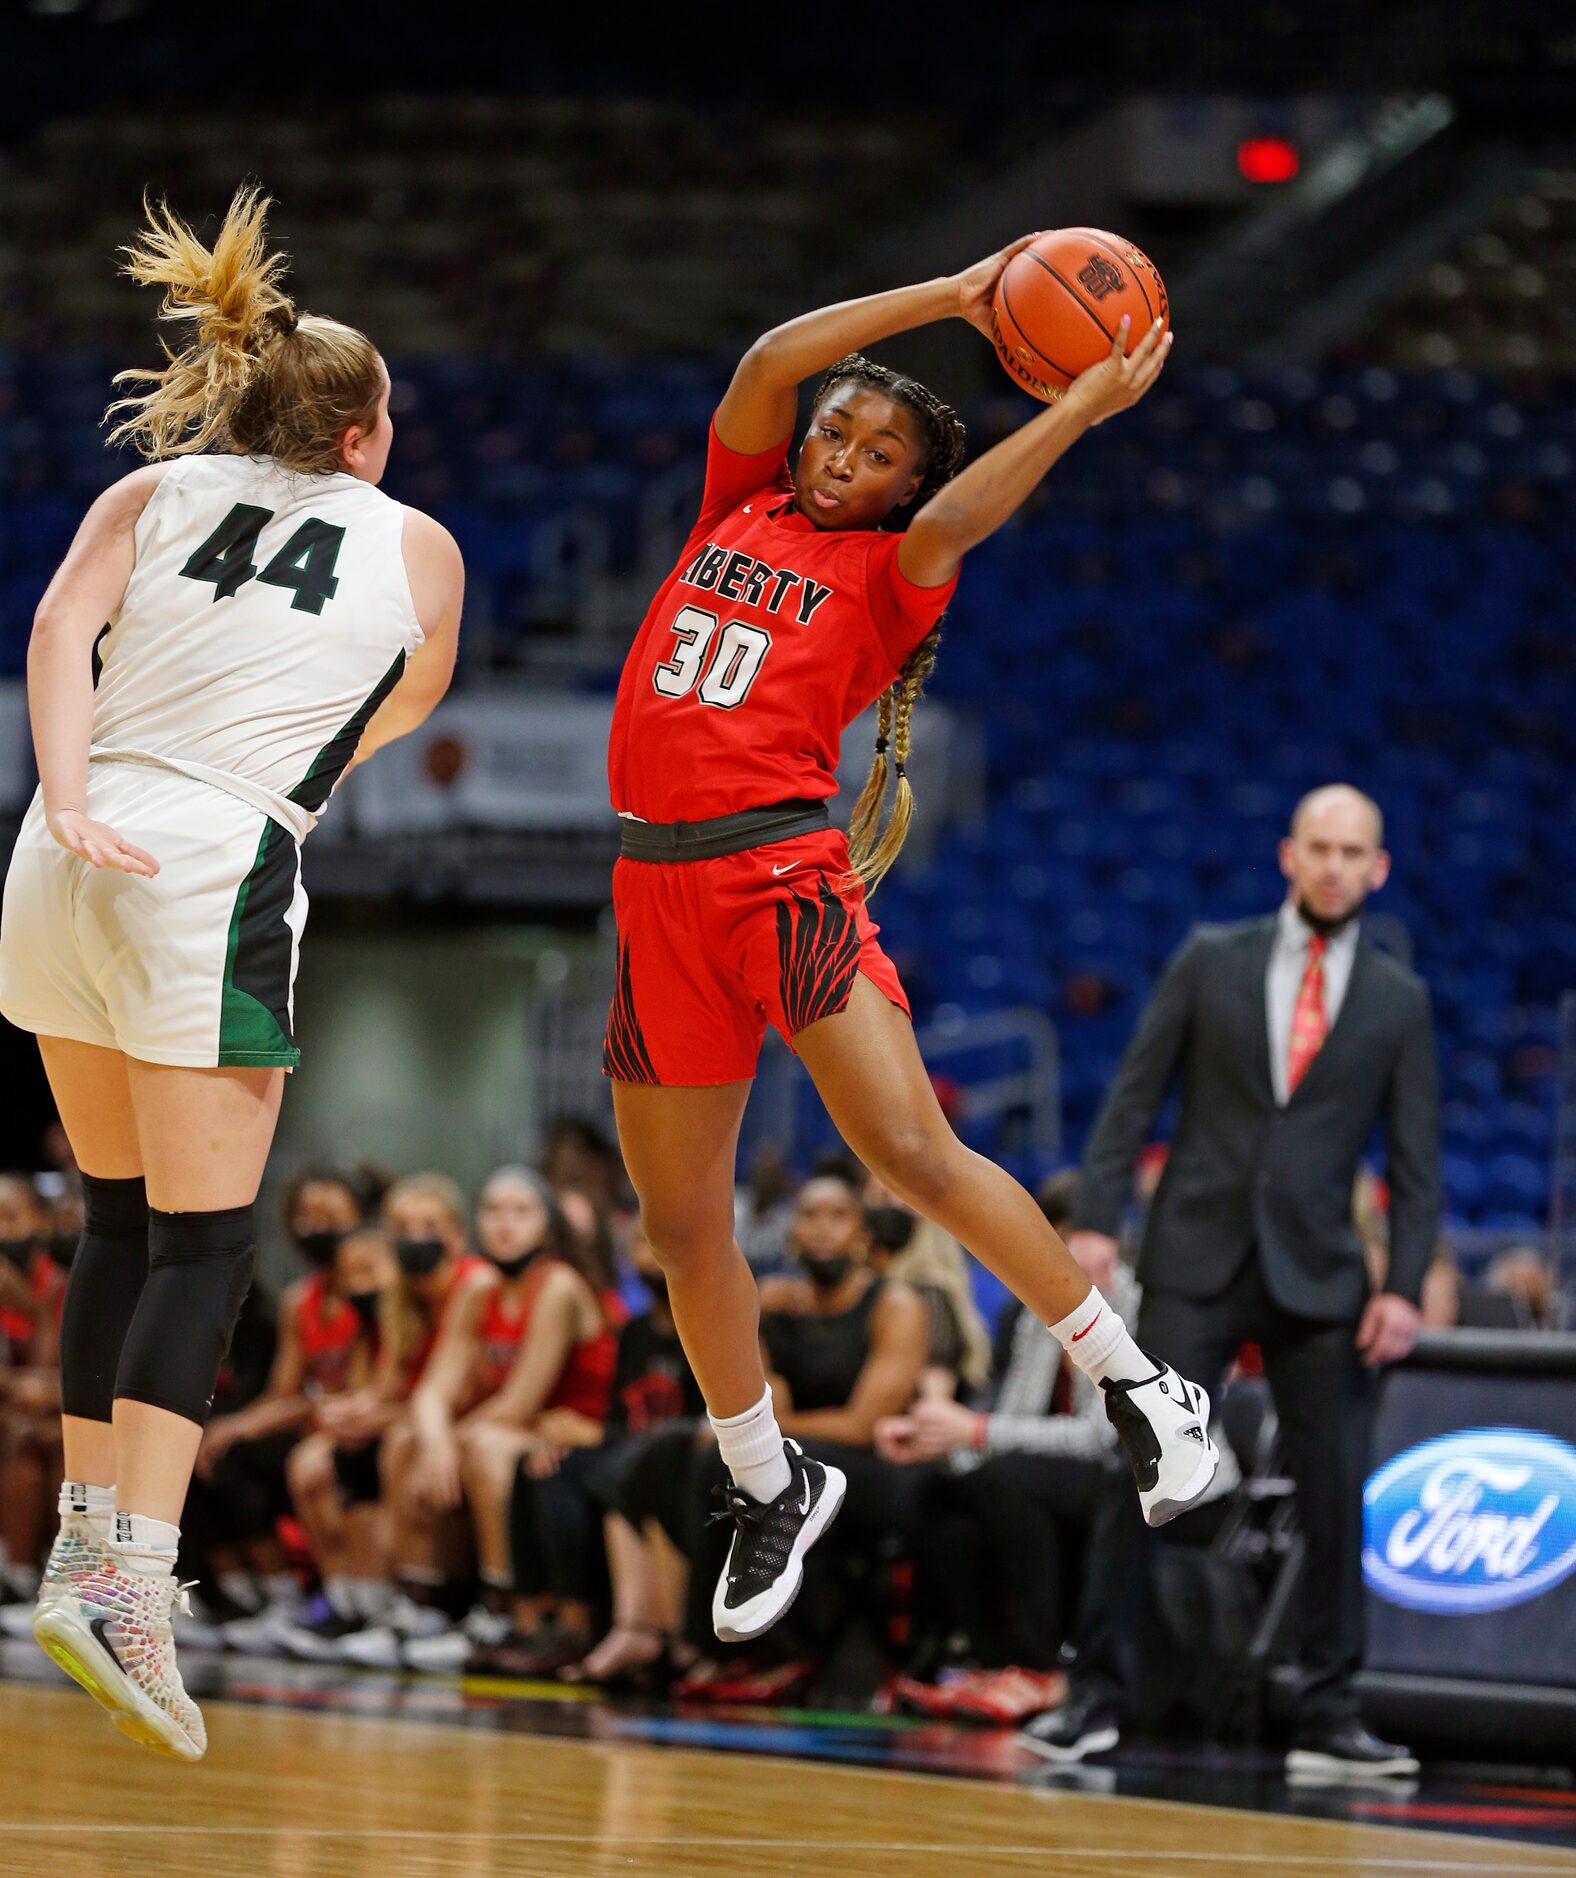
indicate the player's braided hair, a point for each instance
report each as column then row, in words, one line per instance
column 872, row 850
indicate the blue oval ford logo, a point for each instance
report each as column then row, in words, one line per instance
column 1473, row 1521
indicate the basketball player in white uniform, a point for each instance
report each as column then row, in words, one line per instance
column 272, row 618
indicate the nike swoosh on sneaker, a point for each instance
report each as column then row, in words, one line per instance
column 804, row 1505
column 1079, row 1335
column 789, row 868
column 100, row 1626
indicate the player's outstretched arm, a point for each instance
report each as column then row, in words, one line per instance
column 980, row 498
column 437, row 585
column 757, row 411
column 87, row 590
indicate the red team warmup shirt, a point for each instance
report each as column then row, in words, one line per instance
column 329, row 1329
column 768, row 639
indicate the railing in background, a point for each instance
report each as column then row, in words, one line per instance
column 1006, row 1065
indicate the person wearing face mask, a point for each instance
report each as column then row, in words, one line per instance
column 32, row 1290
column 523, row 1369
column 843, row 1348
column 239, row 1486
column 349, row 1480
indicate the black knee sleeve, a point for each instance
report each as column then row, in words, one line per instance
column 107, row 1276
column 199, row 1272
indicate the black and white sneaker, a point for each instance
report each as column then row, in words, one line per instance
column 1088, row 1722
column 765, row 1565
column 1163, row 1423
column 317, row 1634
column 1347, row 1751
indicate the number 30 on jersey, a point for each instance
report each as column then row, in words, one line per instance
column 734, row 667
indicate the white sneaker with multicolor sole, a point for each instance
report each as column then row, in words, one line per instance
column 111, row 1632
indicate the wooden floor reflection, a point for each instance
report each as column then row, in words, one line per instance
column 285, row 1795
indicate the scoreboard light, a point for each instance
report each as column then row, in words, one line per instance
column 1268, row 159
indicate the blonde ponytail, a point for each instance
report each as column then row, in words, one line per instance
column 254, row 376
column 871, row 849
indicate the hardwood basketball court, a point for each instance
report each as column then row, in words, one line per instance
column 293, row 1794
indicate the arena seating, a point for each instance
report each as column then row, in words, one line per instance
column 1503, row 298
column 1244, row 588
column 495, row 227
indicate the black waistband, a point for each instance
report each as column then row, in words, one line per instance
column 722, row 834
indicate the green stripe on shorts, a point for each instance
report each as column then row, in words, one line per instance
column 254, row 1011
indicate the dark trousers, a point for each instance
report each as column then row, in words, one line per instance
column 555, row 1531
column 243, row 1501
column 649, row 1479
column 997, row 1552
column 1324, row 1398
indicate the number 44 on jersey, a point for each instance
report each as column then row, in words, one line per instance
column 304, row 566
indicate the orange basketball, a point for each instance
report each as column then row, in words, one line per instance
column 1058, row 305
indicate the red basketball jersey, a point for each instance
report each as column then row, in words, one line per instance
column 764, row 643
column 328, row 1328
column 586, row 1376
column 18, row 1330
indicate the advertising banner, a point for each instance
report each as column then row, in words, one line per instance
column 1469, row 1528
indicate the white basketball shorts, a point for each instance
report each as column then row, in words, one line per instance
column 195, row 967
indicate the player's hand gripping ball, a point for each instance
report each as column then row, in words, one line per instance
column 1060, row 300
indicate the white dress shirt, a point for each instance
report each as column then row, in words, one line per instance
column 1282, row 982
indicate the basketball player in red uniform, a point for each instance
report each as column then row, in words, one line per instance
column 806, row 591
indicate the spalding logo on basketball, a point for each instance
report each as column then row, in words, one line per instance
column 1019, row 361
column 1475, row 1521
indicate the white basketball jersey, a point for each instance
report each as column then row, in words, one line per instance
column 267, row 617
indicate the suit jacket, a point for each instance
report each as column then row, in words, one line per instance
column 1245, row 1174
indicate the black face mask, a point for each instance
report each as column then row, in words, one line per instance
column 890, row 1227
column 512, row 1268
column 63, row 1248
column 18, row 1251
column 318, row 1248
column 365, row 1306
column 826, row 1274
column 418, row 1258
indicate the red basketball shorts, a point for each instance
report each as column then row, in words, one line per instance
column 711, row 952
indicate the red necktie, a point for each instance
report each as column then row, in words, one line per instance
column 1310, row 1022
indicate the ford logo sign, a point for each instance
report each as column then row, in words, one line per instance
column 1473, row 1521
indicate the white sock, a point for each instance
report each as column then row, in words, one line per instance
column 1097, row 1341
column 145, row 1545
column 95, row 1504
column 751, row 1445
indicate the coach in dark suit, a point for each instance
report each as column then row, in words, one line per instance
column 1292, row 1037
